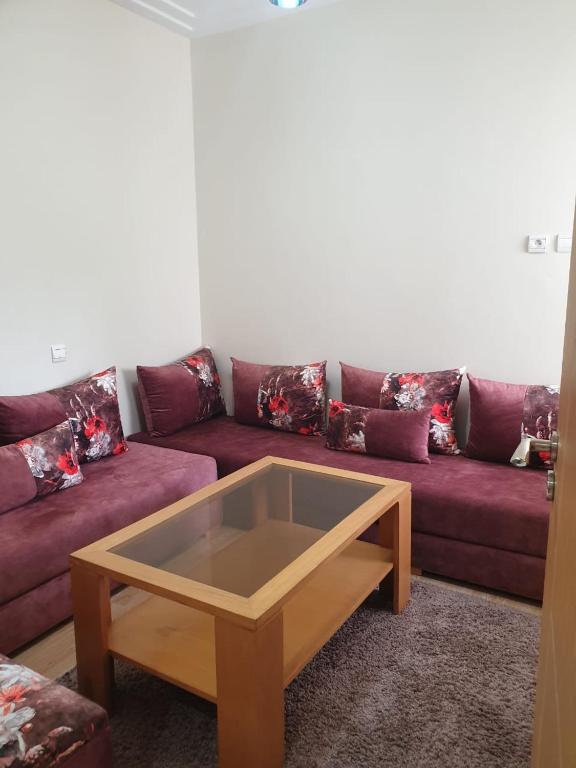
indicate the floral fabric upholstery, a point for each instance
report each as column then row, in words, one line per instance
column 417, row 391
column 179, row 394
column 52, row 459
column 347, row 427
column 202, row 367
column 92, row 408
column 42, row 724
column 540, row 418
column 436, row 390
column 291, row 398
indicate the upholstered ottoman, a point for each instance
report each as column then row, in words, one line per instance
column 43, row 725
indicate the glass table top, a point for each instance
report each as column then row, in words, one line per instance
column 242, row 536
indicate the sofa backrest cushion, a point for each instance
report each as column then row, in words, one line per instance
column 496, row 411
column 435, row 390
column 290, row 398
column 399, row 435
column 17, row 485
column 25, row 415
column 90, row 404
column 179, row 394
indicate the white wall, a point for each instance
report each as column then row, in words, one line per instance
column 367, row 174
column 97, row 201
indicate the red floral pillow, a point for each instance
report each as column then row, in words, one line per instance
column 291, row 398
column 437, row 390
column 540, row 418
column 52, row 459
column 179, row 394
column 91, row 405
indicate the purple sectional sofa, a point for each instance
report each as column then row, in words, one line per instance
column 37, row 537
column 476, row 521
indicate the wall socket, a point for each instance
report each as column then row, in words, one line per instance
column 538, row 243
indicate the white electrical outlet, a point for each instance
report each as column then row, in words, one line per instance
column 538, row 243
column 58, row 353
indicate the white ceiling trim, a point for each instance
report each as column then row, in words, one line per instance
column 161, row 14
column 199, row 18
column 179, row 8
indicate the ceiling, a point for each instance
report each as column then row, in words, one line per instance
column 197, row 18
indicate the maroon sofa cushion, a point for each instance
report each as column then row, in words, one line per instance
column 290, row 398
column 495, row 419
column 38, row 537
column 176, row 395
column 52, row 722
column 91, row 404
column 17, row 484
column 540, row 418
column 52, row 459
column 435, row 390
column 453, row 496
column 399, row 435
column 25, row 415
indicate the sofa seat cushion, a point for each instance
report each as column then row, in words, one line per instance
column 42, row 723
column 453, row 496
column 37, row 538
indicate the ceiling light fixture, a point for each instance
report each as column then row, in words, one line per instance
column 288, row 3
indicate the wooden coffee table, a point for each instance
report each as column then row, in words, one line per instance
column 247, row 579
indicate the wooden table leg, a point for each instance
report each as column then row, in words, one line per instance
column 91, row 604
column 394, row 529
column 250, row 694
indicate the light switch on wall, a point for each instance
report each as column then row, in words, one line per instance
column 58, row 353
column 538, row 243
column 564, row 243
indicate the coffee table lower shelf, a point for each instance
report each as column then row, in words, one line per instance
column 177, row 643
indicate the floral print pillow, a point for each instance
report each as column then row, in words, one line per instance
column 92, row 408
column 437, row 390
column 540, row 418
column 52, row 459
column 347, row 427
column 202, row 367
column 180, row 394
column 41, row 723
column 291, row 398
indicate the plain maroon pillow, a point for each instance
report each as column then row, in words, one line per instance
column 361, row 386
column 401, row 435
column 17, row 484
column 496, row 411
column 24, row 415
column 169, row 397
